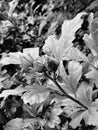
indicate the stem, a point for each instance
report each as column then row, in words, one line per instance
column 63, row 91
column 94, row 67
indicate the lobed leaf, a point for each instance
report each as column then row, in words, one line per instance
column 70, row 81
column 90, row 117
column 29, row 94
column 12, row 6
column 91, row 39
column 37, row 94
column 19, row 123
column 56, row 47
column 84, row 93
column 74, row 54
column 54, row 117
column 17, row 91
column 93, row 76
column 25, row 59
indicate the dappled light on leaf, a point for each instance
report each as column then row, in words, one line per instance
column 37, row 94
column 54, row 119
column 91, row 40
column 75, row 72
column 25, row 59
column 93, row 76
column 75, row 54
column 56, row 47
column 12, row 6
column 84, row 93
column 19, row 123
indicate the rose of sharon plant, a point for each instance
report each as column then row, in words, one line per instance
column 56, row 98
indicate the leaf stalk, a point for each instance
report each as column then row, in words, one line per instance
column 63, row 91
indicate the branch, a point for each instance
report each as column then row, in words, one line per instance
column 63, row 91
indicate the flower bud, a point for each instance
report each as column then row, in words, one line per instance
column 51, row 64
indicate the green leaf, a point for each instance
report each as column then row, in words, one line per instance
column 84, row 93
column 90, row 43
column 25, row 59
column 17, row 91
column 74, row 54
column 77, row 112
column 37, row 94
column 90, row 19
column 70, row 107
column 11, row 58
column 70, row 81
column 41, row 26
column 12, row 6
column 93, row 75
column 29, row 94
column 57, row 47
column 69, row 27
column 54, row 119
column 91, row 40
column 90, row 117
column 21, row 124
column 52, row 28
column 75, row 73
column 14, row 124
column 50, row 46
column 4, row 26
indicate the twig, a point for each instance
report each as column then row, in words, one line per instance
column 63, row 91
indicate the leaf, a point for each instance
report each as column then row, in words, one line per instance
column 52, row 28
column 28, row 56
column 14, row 124
column 75, row 73
column 69, row 27
column 94, row 32
column 90, row 19
column 24, row 62
column 37, row 94
column 90, row 117
column 62, row 73
column 19, row 123
column 50, row 45
column 16, row 91
column 56, row 47
column 93, row 76
column 4, row 26
column 31, row 53
column 75, row 54
column 52, row 86
column 90, row 43
column 1, row 85
column 25, row 59
column 77, row 112
column 41, row 26
column 54, row 119
column 70, row 82
column 77, row 119
column 29, row 94
column 91, row 40
column 12, row 6
column 84, row 93
column 70, row 107
column 11, row 58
